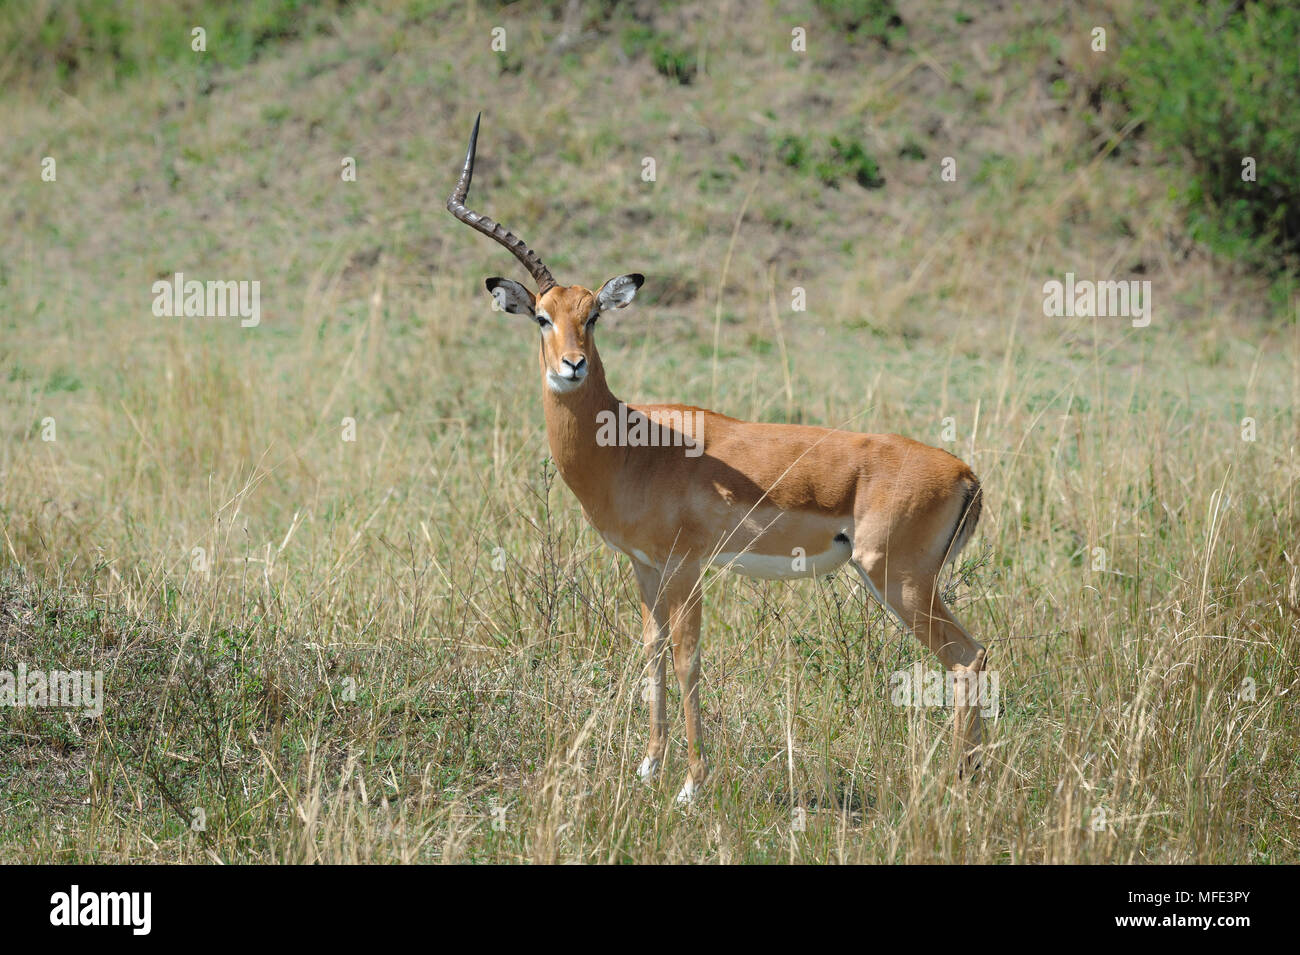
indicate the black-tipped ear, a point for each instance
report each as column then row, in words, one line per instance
column 619, row 292
column 511, row 296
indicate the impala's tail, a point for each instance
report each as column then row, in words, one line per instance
column 967, row 518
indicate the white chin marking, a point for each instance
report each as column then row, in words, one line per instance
column 648, row 768
column 687, row 795
column 561, row 385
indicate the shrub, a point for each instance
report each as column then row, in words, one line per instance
column 793, row 151
column 874, row 19
column 669, row 59
column 1219, row 83
column 839, row 159
column 849, row 160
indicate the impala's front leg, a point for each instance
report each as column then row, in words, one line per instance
column 686, row 597
column 654, row 620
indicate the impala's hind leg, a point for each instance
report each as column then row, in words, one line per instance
column 914, row 598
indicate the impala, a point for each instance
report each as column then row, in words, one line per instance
column 765, row 500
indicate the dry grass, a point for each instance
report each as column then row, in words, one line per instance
column 372, row 561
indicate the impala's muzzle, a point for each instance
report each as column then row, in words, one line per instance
column 573, row 367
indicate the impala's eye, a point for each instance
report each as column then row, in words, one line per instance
column 542, row 320
column 592, row 321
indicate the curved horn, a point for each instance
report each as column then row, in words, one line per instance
column 494, row 230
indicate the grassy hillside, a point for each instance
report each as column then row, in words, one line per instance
column 396, row 634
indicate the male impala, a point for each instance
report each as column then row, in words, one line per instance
column 765, row 500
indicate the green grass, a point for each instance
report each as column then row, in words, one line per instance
column 352, row 679
column 66, row 43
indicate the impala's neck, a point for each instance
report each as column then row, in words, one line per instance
column 571, row 426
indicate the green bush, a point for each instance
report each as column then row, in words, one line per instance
column 849, row 160
column 793, row 151
column 669, row 58
column 874, row 19
column 839, row 159
column 1218, row 83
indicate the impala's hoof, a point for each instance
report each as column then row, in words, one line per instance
column 648, row 768
column 687, row 795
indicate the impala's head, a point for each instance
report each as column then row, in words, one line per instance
column 565, row 314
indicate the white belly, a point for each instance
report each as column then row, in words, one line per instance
column 782, row 567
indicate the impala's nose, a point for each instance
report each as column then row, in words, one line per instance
column 573, row 367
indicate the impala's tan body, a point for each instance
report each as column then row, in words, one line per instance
column 767, row 500
column 757, row 490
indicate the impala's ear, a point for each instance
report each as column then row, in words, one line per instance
column 619, row 291
column 511, row 296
